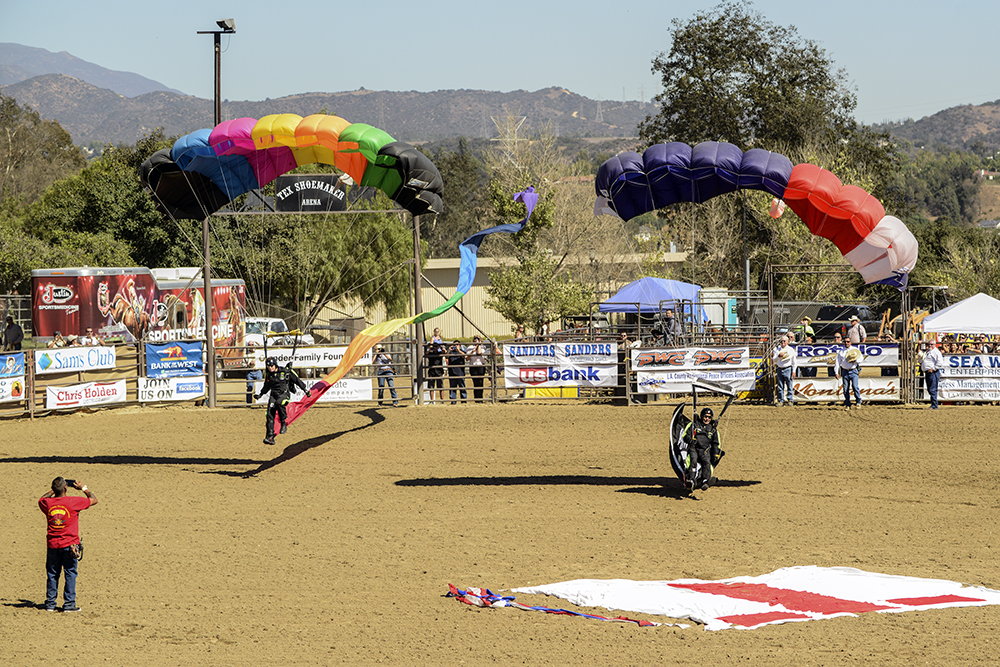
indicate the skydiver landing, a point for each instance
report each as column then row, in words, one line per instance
column 702, row 438
column 278, row 381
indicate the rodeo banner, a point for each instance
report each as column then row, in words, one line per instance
column 673, row 370
column 875, row 354
column 174, row 360
column 561, row 364
column 11, row 377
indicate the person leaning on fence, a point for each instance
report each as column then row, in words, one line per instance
column 931, row 365
column 456, row 372
column 847, row 368
column 670, row 329
column 12, row 335
column 784, row 366
column 383, row 362
column 477, row 367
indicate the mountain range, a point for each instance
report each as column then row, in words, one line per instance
column 98, row 106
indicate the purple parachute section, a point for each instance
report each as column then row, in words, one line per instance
column 629, row 185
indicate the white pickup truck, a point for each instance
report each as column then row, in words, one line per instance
column 258, row 327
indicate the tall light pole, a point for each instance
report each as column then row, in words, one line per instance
column 228, row 27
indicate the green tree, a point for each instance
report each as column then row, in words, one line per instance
column 464, row 187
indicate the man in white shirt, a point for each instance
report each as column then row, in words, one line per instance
column 931, row 366
column 856, row 332
column 847, row 367
column 784, row 366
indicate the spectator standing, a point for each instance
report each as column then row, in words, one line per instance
column 477, row 367
column 838, row 341
column 12, row 335
column 856, row 332
column 931, row 366
column 88, row 338
column 436, row 338
column 984, row 345
column 456, row 373
column 784, row 365
column 805, row 328
column 58, row 341
column 671, row 329
column 63, row 540
column 383, row 364
column 435, row 370
column 806, row 371
column 847, row 369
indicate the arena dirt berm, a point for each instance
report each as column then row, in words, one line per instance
column 337, row 545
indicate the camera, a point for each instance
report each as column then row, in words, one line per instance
column 71, row 482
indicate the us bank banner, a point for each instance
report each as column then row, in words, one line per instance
column 12, row 386
column 82, row 395
column 74, row 359
column 673, row 370
column 561, row 364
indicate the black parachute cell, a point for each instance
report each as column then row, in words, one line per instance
column 177, row 193
column 422, row 184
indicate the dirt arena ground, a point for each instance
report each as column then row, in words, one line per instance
column 337, row 546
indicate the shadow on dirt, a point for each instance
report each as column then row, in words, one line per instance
column 652, row 486
column 291, row 451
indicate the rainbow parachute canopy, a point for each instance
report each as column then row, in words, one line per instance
column 878, row 246
column 206, row 169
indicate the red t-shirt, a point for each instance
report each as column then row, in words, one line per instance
column 63, row 515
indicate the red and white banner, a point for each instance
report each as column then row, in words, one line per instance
column 817, row 390
column 790, row 594
column 691, row 359
column 79, row 395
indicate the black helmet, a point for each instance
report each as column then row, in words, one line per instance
column 271, row 361
column 707, row 412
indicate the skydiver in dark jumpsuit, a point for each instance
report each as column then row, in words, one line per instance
column 278, row 381
column 702, row 439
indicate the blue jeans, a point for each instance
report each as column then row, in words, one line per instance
column 457, row 382
column 931, row 379
column 850, row 381
column 785, row 385
column 383, row 377
column 57, row 560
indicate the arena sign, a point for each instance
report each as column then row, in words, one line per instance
column 679, row 382
column 691, row 359
column 309, row 193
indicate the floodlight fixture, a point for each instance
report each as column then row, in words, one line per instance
column 228, row 25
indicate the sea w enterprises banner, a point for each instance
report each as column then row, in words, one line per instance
column 12, row 377
column 74, row 359
column 152, row 390
column 310, row 357
column 346, row 390
column 817, row 390
column 875, row 354
column 309, row 193
column 969, row 377
column 174, row 360
column 561, row 365
column 80, row 395
column 971, row 365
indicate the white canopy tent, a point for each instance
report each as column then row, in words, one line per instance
column 977, row 314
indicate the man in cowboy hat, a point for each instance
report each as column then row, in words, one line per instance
column 805, row 328
column 856, row 332
column 931, row 365
column 847, row 367
column 784, row 366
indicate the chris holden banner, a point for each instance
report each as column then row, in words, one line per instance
column 174, row 360
column 673, row 370
column 12, row 377
column 561, row 364
column 80, row 395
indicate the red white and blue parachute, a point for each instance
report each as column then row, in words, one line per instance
column 878, row 246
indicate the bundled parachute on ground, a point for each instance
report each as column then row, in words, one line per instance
column 206, row 169
column 878, row 246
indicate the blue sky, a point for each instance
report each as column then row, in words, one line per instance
column 904, row 59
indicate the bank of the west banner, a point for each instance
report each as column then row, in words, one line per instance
column 174, row 360
column 81, row 395
column 560, row 364
column 673, row 370
column 969, row 377
column 12, row 387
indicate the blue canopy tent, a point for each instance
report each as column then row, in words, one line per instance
column 648, row 293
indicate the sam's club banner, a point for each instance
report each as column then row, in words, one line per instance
column 74, row 359
column 11, row 377
column 561, row 365
column 174, row 360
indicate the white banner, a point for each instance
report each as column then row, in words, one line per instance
column 560, row 354
column 307, row 357
column 679, row 382
column 347, row 390
column 816, row 390
column 967, row 389
column 171, row 389
column 11, row 388
column 875, row 354
column 80, row 395
column 74, row 359
column 691, row 359
column 971, row 365
column 561, row 376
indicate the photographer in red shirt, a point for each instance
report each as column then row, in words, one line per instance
column 64, row 546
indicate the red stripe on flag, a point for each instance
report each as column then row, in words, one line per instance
column 750, row 620
column 938, row 599
column 797, row 600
